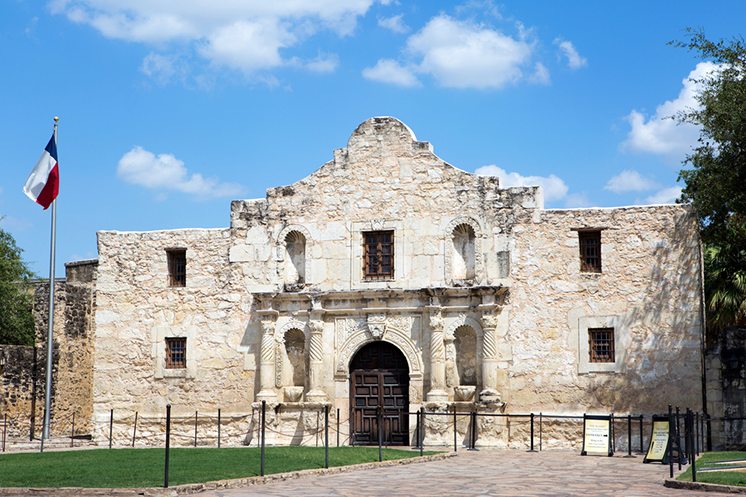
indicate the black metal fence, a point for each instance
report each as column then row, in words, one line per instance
column 690, row 432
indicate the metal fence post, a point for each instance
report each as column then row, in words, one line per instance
column 642, row 447
column 195, row 428
column 264, row 410
column 532, row 433
column 5, row 428
column 111, row 425
column 678, row 438
column 422, row 429
column 134, row 430
column 337, row 426
column 629, row 435
column 687, row 447
column 671, row 433
column 168, row 445
column 696, row 433
column 326, row 435
column 691, row 436
column 474, row 431
column 380, row 433
column 72, row 432
column 218, row 427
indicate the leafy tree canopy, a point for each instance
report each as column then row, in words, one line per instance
column 16, row 320
column 715, row 175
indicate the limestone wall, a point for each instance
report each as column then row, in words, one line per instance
column 383, row 180
column 137, row 310
column 649, row 290
column 520, row 290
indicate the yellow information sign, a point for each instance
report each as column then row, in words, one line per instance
column 658, row 442
column 597, row 436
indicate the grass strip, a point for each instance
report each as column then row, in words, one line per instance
column 106, row 468
column 708, row 460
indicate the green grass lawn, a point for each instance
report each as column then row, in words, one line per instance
column 707, row 460
column 144, row 467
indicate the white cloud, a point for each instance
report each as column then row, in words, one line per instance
column 464, row 54
column 394, row 23
column 249, row 36
column 247, row 45
column 660, row 133
column 460, row 54
column 574, row 59
column 540, row 75
column 629, row 181
column 665, row 196
column 554, row 187
column 166, row 172
column 163, row 68
column 324, row 63
column 390, row 71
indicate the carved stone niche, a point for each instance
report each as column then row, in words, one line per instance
column 377, row 325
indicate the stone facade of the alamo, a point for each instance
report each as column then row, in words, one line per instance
column 391, row 277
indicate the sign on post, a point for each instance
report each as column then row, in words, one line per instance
column 596, row 435
column 659, row 440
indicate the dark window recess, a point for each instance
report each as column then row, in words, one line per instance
column 176, row 352
column 378, row 248
column 176, row 267
column 601, row 344
column 590, row 251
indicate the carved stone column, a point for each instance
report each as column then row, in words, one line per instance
column 437, row 391
column 267, row 361
column 316, row 361
column 490, row 320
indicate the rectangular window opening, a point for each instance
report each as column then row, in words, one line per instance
column 590, row 251
column 601, row 344
column 378, row 255
column 176, row 267
column 175, row 352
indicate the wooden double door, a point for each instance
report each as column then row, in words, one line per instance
column 379, row 390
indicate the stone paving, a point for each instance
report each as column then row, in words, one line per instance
column 487, row 473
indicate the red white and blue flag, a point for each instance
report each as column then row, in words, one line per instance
column 43, row 183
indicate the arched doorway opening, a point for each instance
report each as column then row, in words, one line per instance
column 379, row 381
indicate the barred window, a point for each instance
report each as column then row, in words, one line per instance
column 601, row 344
column 378, row 254
column 590, row 251
column 175, row 352
column 176, row 267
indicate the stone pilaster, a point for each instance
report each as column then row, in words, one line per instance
column 489, row 357
column 437, row 391
column 316, row 360
column 267, row 360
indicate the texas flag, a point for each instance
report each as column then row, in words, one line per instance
column 43, row 183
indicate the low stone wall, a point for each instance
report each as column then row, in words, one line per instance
column 23, row 369
column 17, row 389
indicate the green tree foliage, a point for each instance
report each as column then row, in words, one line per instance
column 16, row 320
column 715, row 181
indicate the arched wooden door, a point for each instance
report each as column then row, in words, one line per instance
column 379, row 379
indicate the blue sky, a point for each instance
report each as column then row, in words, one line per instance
column 171, row 109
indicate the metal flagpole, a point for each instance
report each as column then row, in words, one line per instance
column 50, row 349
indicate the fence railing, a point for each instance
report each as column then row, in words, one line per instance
column 627, row 430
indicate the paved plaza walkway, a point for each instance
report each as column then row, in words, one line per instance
column 487, row 473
